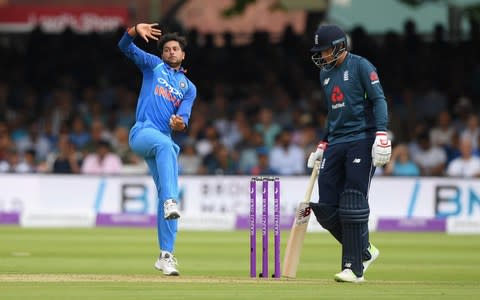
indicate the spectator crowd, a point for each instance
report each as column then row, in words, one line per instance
column 67, row 102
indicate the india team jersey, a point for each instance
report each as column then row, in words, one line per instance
column 164, row 92
column 356, row 103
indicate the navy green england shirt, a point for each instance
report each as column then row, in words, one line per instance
column 357, row 107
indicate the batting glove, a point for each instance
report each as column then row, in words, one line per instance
column 317, row 155
column 381, row 149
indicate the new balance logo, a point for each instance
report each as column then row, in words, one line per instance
column 357, row 160
column 302, row 213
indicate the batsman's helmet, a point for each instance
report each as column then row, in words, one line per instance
column 328, row 36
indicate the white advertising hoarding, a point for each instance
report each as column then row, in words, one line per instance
column 201, row 196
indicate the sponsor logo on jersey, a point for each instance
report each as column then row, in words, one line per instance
column 170, row 88
column 357, row 160
column 326, row 81
column 345, row 76
column 165, row 90
column 337, row 98
column 374, row 78
column 338, row 105
column 183, row 84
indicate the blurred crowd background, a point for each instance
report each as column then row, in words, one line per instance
column 67, row 102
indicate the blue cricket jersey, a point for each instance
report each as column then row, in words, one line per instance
column 356, row 104
column 164, row 92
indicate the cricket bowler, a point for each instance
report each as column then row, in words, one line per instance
column 164, row 105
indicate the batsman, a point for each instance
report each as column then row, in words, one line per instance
column 356, row 142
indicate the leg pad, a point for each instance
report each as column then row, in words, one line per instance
column 328, row 217
column 354, row 212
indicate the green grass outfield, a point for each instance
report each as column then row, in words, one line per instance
column 113, row 263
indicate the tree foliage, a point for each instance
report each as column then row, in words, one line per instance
column 238, row 7
column 472, row 11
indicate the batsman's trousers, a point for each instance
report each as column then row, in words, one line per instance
column 345, row 166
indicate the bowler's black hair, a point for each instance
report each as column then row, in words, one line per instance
column 174, row 36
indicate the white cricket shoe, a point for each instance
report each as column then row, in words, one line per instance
column 347, row 275
column 170, row 209
column 374, row 253
column 167, row 264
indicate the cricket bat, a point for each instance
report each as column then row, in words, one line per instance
column 299, row 228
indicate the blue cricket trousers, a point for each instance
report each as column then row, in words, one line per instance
column 160, row 154
column 345, row 166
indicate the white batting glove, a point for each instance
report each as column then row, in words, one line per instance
column 317, row 155
column 381, row 149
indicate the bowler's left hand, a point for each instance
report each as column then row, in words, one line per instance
column 177, row 123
